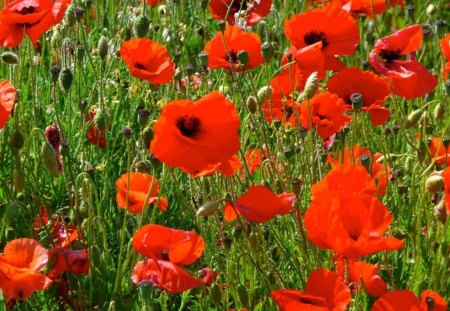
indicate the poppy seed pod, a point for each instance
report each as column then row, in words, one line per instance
column 267, row 51
column 48, row 155
column 412, row 119
column 434, row 183
column 66, row 79
column 357, row 101
column 264, row 94
column 9, row 58
column 251, row 104
column 208, row 209
column 140, row 26
column 102, row 47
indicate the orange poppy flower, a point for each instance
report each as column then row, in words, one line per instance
column 143, row 191
column 224, row 48
column 95, row 135
column 445, row 48
column 346, row 217
column 405, row 300
column 381, row 173
column 446, row 175
column 20, row 266
column 331, row 25
column 408, row 78
column 193, row 135
column 31, row 17
column 325, row 290
column 260, row 204
column 373, row 89
column 72, row 261
column 439, row 152
column 227, row 168
column 154, row 2
column 231, row 10
column 164, row 275
column 162, row 243
column 366, row 7
column 327, row 114
column 307, row 60
column 148, row 60
column 7, row 99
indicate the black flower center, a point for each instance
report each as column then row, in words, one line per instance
column 288, row 111
column 27, row 10
column 315, row 36
column 140, row 66
column 389, row 55
column 239, row 5
column 189, row 126
column 165, row 255
column 232, row 57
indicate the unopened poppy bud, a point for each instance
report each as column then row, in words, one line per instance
column 203, row 58
column 147, row 136
column 140, row 26
column 19, row 180
column 253, row 240
column 10, row 58
column 440, row 212
column 154, row 162
column 409, row 164
column 267, row 51
column 252, row 104
column 439, row 111
column 357, row 101
column 64, row 148
column 16, row 140
column 112, row 305
column 264, row 94
column 365, row 161
column 410, row 11
column 101, row 119
column 55, row 73
column 143, row 116
column 66, row 79
column 243, row 57
column 216, row 294
column 297, row 184
column 223, row 89
column 434, row 183
column 412, row 119
column 48, row 155
column 426, row 30
column 311, row 86
column 126, row 132
column 431, row 9
column 209, row 208
column 222, row 25
column 243, row 296
column 390, row 156
column 70, row 18
column 102, row 47
column 80, row 51
column 162, row 10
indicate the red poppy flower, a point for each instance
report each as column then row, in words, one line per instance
column 208, row 276
column 148, row 60
column 260, row 204
column 72, row 261
column 446, row 175
column 31, row 17
column 194, row 135
column 379, row 171
column 164, row 275
column 154, row 2
column 7, row 99
column 331, row 25
column 327, row 114
column 162, row 243
column 325, row 290
column 227, row 168
column 405, row 300
column 445, row 48
column 223, row 49
column 20, row 266
column 232, row 10
column 345, row 216
column 366, row 7
column 143, row 190
column 439, row 152
column 373, row 89
column 308, row 59
column 408, row 78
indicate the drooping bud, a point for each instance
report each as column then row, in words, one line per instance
column 431, row 9
column 49, row 157
column 439, row 111
column 9, row 58
column 102, row 47
column 412, row 119
column 311, row 86
column 53, row 136
column 126, row 132
column 440, row 212
column 55, row 73
column 208, row 209
column 147, row 136
column 434, row 183
column 16, row 140
column 66, row 79
column 251, row 104
column 140, row 26
column 264, row 94
column 216, row 294
column 70, row 18
column 243, row 296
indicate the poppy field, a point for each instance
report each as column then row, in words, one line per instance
column 244, row 155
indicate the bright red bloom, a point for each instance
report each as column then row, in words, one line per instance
column 194, row 135
column 31, row 17
column 7, row 99
column 154, row 2
column 236, row 40
column 325, row 290
column 438, row 152
column 405, row 300
column 260, row 204
column 20, row 266
column 227, row 168
column 408, row 78
column 97, row 137
column 331, row 25
column 373, row 89
column 143, row 190
column 366, row 7
column 345, row 216
column 208, row 276
column 446, row 175
column 327, row 114
column 249, row 10
column 162, row 243
column 445, row 48
column 148, row 60
column 72, row 261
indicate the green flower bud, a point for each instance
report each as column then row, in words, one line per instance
column 140, row 26
column 9, row 58
column 66, row 79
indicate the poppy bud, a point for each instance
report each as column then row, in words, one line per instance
column 439, row 111
column 410, row 11
column 48, row 155
column 216, row 294
column 112, row 306
column 357, row 101
column 243, row 57
column 126, row 132
column 140, row 26
column 65, row 79
column 223, row 89
column 155, row 162
column 19, row 180
column 439, row 212
column 102, row 47
column 243, row 296
column 434, row 183
column 16, row 140
column 422, row 151
column 143, row 115
column 55, row 73
column 264, row 94
column 311, row 86
column 64, row 148
column 10, row 58
column 390, row 156
column 147, row 136
column 203, row 58
column 222, row 25
column 79, row 12
column 252, row 104
column 70, row 18
column 431, row 9
column 253, row 240
column 440, row 27
column 101, row 119
column 297, row 184
column 267, row 51
column 162, row 10
column 412, row 119
column 80, row 52
column 209, row 208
